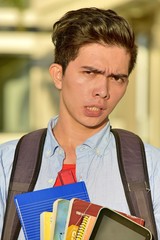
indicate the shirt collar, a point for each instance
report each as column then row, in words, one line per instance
column 97, row 142
column 100, row 140
column 51, row 143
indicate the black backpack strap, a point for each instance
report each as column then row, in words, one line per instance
column 26, row 166
column 134, row 174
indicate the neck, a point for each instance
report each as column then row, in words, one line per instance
column 71, row 135
column 69, row 139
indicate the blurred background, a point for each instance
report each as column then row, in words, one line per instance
column 27, row 96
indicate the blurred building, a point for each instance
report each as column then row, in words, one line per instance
column 27, row 96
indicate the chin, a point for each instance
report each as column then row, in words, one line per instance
column 96, row 125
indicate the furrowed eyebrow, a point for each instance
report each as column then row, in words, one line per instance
column 94, row 70
column 98, row 71
column 118, row 75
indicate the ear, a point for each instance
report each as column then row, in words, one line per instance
column 56, row 73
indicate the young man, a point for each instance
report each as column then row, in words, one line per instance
column 95, row 53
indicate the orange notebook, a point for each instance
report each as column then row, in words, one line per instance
column 86, row 227
column 78, row 209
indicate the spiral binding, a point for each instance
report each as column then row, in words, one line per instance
column 82, row 227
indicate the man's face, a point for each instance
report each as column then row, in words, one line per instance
column 93, row 84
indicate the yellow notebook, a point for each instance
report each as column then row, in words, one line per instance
column 45, row 225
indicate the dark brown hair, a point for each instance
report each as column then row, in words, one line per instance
column 91, row 25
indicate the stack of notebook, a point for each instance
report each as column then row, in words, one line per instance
column 70, row 218
column 66, row 213
column 30, row 205
column 76, row 219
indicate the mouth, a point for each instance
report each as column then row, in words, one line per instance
column 94, row 109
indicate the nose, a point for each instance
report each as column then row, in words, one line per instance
column 102, row 89
column 102, row 94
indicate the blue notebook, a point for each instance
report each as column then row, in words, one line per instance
column 31, row 204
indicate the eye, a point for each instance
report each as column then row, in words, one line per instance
column 119, row 78
column 89, row 72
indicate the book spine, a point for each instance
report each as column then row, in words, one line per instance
column 21, row 219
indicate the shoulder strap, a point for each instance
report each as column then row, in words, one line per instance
column 134, row 174
column 26, row 166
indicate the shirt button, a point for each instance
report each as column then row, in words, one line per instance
column 48, row 152
column 60, row 151
column 97, row 152
column 50, row 180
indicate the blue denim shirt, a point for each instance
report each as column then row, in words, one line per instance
column 96, row 164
